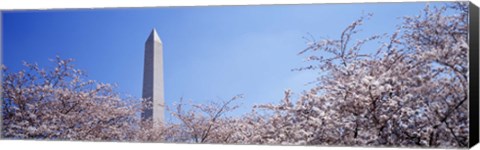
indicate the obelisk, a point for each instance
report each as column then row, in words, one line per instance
column 153, row 79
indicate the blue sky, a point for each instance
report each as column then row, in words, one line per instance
column 210, row 53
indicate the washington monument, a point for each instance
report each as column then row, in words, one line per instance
column 152, row 90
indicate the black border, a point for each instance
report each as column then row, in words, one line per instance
column 474, row 74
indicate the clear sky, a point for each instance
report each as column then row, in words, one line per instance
column 210, row 53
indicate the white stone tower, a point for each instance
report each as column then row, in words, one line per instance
column 153, row 79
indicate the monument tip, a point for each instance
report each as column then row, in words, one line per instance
column 154, row 36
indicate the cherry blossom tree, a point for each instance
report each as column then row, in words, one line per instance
column 412, row 91
column 58, row 104
column 205, row 123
